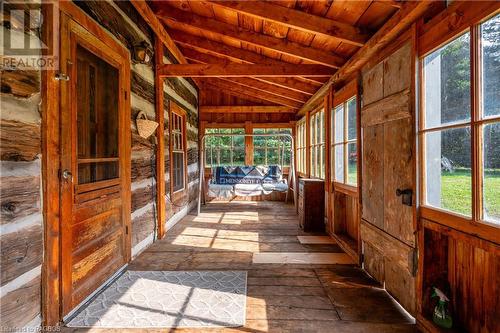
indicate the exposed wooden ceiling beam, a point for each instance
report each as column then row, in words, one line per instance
column 299, row 20
column 237, row 55
column 239, row 91
column 245, row 109
column 242, row 70
column 149, row 16
column 278, row 84
column 175, row 17
column 401, row 20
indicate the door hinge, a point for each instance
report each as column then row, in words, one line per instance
column 126, row 230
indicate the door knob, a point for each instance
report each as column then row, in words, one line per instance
column 67, row 175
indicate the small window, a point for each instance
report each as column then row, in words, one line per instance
column 271, row 150
column 178, row 152
column 225, row 150
column 317, row 130
column 301, row 146
column 344, row 150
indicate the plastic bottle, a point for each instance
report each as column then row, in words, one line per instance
column 441, row 316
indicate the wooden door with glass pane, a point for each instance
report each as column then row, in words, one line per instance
column 95, row 163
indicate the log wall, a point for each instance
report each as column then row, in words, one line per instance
column 21, row 221
column 20, row 193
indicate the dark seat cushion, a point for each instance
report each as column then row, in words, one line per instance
column 231, row 175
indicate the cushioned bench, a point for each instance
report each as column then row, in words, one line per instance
column 246, row 181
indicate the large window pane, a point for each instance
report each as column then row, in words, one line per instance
column 352, row 164
column 351, row 119
column 448, row 170
column 447, row 83
column 490, row 66
column 339, row 163
column 339, row 124
column 491, row 172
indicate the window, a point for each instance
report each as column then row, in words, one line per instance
column 225, row 150
column 344, row 149
column 456, row 129
column 318, row 144
column 271, row 150
column 301, row 146
column 178, row 149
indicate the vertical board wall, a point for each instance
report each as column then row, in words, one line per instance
column 387, row 226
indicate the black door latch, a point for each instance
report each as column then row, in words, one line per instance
column 406, row 196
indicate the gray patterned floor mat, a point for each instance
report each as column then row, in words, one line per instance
column 150, row 299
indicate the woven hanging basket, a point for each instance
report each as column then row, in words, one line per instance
column 145, row 127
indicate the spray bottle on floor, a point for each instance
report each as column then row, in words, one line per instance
column 441, row 316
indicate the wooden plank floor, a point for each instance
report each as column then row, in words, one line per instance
column 281, row 297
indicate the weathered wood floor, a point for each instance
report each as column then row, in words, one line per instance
column 281, row 297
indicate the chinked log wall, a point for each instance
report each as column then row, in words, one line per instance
column 20, row 195
column 20, row 167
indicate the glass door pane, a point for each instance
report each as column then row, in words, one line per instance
column 97, row 118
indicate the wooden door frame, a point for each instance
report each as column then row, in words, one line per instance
column 51, row 147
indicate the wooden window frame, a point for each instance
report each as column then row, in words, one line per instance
column 177, row 110
column 342, row 96
column 268, row 130
column 301, row 146
column 316, row 145
column 433, row 40
column 232, row 147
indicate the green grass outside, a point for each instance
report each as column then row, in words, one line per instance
column 456, row 193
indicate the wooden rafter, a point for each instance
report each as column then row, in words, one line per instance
column 176, row 17
column 245, row 109
column 298, row 20
column 235, row 54
column 149, row 16
column 238, row 90
column 266, row 87
column 409, row 12
column 242, row 70
column 279, row 84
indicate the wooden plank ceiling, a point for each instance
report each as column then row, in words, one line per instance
column 280, row 34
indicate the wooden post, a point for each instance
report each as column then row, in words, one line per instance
column 160, row 147
column 51, row 269
column 328, row 165
column 248, row 143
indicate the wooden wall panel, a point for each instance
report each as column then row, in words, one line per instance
column 373, row 84
column 466, row 269
column 387, row 228
column 373, row 180
column 398, row 155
